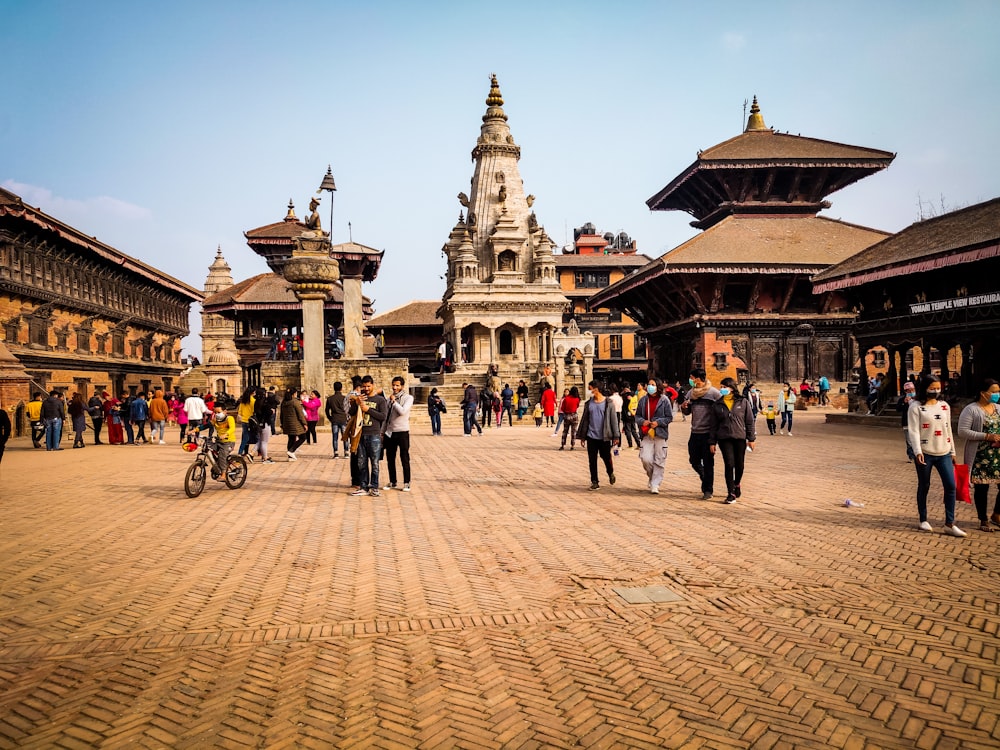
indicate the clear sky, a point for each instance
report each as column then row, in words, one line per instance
column 167, row 129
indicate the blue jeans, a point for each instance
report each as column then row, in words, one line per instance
column 470, row 420
column 53, row 433
column 559, row 423
column 246, row 440
column 946, row 470
column 786, row 417
column 338, row 433
column 157, row 427
column 436, row 423
column 369, row 449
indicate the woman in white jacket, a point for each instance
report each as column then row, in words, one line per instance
column 786, row 407
column 929, row 427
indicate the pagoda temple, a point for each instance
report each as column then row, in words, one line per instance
column 737, row 299
column 503, row 301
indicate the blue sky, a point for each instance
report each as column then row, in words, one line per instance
column 167, row 129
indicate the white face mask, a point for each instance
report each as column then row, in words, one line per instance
column 651, row 390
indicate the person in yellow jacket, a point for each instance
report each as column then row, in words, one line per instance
column 34, row 412
column 225, row 435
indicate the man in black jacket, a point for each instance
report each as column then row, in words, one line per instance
column 53, row 415
column 372, row 409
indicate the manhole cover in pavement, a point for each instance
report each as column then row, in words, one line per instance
column 647, row 594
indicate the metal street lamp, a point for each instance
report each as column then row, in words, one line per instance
column 329, row 186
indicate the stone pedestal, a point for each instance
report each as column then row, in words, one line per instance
column 15, row 389
column 312, row 273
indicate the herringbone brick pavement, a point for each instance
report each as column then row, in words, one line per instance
column 480, row 610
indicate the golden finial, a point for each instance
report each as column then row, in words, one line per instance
column 290, row 216
column 756, row 119
column 494, row 99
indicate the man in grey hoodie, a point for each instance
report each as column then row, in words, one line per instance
column 397, row 433
column 700, row 405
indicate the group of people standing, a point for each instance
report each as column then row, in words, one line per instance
column 930, row 445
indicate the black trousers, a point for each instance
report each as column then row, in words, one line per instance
column 600, row 448
column 98, row 424
column 734, row 453
column 981, row 494
column 702, row 459
column 397, row 441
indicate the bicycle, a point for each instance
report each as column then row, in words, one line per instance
column 206, row 460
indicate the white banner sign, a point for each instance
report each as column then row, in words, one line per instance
column 976, row 300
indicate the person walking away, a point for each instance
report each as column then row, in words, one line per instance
column 139, row 413
column 903, row 407
column 507, row 403
column 979, row 427
column 371, row 410
column 771, row 414
column 225, row 436
column 630, row 402
column 264, row 407
column 699, row 404
column 293, row 422
column 336, row 415
column 497, row 409
column 523, row 402
column 435, row 408
column 180, row 418
column 786, row 408
column 5, row 430
column 929, row 422
column 653, row 415
column 824, row 390
column 548, row 402
column 735, row 432
column 599, row 431
column 125, row 409
column 486, row 405
column 78, row 414
column 397, row 433
column 380, row 343
column 196, row 409
column 159, row 410
column 53, row 415
column 568, row 416
column 244, row 410
column 34, row 412
column 96, row 411
column 470, row 408
column 312, row 404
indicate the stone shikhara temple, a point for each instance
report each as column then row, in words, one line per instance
column 503, row 302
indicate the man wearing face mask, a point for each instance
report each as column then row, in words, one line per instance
column 699, row 404
column 653, row 415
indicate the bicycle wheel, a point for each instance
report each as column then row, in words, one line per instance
column 236, row 472
column 194, row 480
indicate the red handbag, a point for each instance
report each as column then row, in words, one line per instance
column 962, row 482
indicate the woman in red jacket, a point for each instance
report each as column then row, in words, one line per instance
column 548, row 402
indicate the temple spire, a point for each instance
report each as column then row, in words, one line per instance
column 494, row 101
column 756, row 119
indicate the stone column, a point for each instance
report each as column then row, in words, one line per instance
column 527, row 345
column 493, row 344
column 312, row 272
column 353, row 318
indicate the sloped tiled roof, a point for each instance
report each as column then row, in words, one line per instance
column 968, row 234
column 277, row 230
column 266, row 289
column 760, row 241
column 416, row 313
column 769, row 146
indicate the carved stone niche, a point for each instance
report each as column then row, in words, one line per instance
column 62, row 338
column 102, row 343
column 12, row 330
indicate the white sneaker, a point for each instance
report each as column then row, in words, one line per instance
column 789, row 433
column 162, row 443
column 954, row 531
column 406, row 488
column 655, row 490
column 292, row 457
column 390, row 486
column 781, row 431
column 925, row 526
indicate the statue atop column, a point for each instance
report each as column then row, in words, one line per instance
column 312, row 221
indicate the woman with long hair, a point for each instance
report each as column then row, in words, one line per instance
column 78, row 413
column 244, row 410
column 263, row 411
column 735, row 432
column 786, row 407
column 293, row 422
column 312, row 403
column 568, row 416
column 979, row 427
column 929, row 425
